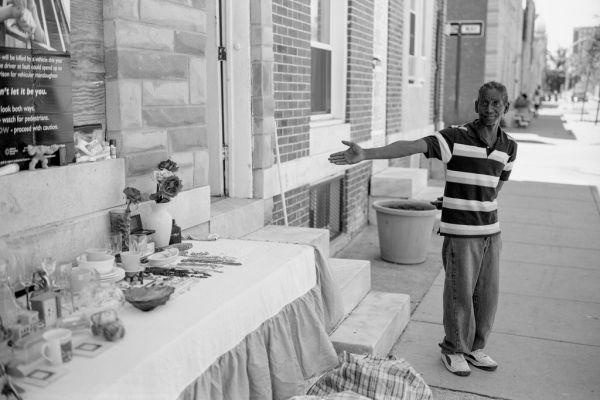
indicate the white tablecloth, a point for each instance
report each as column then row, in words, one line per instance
column 165, row 349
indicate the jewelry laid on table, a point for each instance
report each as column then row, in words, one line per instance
column 204, row 257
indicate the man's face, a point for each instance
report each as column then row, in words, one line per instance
column 490, row 107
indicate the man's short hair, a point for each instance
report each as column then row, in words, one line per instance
column 494, row 85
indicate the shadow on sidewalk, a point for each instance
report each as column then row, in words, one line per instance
column 550, row 126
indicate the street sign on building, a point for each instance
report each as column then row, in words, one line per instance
column 464, row 28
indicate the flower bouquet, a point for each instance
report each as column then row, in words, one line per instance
column 132, row 196
column 168, row 185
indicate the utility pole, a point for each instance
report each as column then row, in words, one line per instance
column 457, row 78
column 460, row 29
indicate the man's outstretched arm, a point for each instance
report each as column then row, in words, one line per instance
column 354, row 153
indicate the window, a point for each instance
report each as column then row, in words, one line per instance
column 328, row 58
column 320, row 99
column 412, row 43
column 417, row 41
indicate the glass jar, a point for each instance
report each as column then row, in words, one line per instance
column 98, row 296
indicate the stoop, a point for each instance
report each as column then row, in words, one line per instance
column 374, row 326
column 395, row 183
column 353, row 278
column 233, row 218
column 293, row 234
column 398, row 182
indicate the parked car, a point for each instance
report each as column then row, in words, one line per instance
column 579, row 96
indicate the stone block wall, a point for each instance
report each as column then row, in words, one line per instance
column 360, row 68
column 395, row 70
column 263, row 100
column 59, row 211
column 355, row 196
column 156, row 87
column 291, row 77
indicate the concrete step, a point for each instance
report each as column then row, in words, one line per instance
column 398, row 182
column 375, row 325
column 395, row 183
column 427, row 193
column 233, row 218
column 293, row 234
column 353, row 277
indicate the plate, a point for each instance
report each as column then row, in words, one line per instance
column 163, row 258
column 114, row 276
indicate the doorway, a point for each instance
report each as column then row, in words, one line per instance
column 215, row 106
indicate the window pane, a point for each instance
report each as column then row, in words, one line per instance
column 320, row 80
column 413, row 21
column 319, row 10
column 423, row 31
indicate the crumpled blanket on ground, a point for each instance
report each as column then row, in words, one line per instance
column 347, row 395
column 373, row 377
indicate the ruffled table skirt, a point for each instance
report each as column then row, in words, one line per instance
column 274, row 361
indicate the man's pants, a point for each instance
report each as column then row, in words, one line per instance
column 470, row 291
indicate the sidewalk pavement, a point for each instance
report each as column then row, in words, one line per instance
column 546, row 337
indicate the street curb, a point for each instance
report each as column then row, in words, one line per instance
column 596, row 197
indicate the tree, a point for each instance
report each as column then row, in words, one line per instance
column 556, row 68
column 590, row 64
column 586, row 62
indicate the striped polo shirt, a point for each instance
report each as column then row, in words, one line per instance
column 469, row 207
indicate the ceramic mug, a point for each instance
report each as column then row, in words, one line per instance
column 57, row 347
column 130, row 260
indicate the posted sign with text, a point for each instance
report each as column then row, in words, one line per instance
column 35, row 79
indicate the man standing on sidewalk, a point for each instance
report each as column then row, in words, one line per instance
column 479, row 157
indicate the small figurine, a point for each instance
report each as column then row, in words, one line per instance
column 39, row 154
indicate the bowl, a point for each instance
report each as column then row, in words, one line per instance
column 97, row 254
column 103, row 264
column 148, row 298
column 163, row 258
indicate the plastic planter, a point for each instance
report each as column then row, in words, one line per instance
column 405, row 228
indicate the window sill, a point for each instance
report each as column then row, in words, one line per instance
column 325, row 120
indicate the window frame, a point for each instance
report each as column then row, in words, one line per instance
column 337, row 45
column 417, row 50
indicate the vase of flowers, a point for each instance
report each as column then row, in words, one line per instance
column 168, row 185
column 120, row 220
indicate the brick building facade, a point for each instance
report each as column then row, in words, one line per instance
column 242, row 130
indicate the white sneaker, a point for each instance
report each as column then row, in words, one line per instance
column 456, row 364
column 481, row 360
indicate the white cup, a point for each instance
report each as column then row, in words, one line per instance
column 130, row 260
column 97, row 254
column 57, row 347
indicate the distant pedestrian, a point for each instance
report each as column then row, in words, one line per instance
column 479, row 157
column 537, row 100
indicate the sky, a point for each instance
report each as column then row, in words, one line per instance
column 561, row 16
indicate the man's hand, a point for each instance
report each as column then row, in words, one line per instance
column 352, row 155
column 26, row 22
